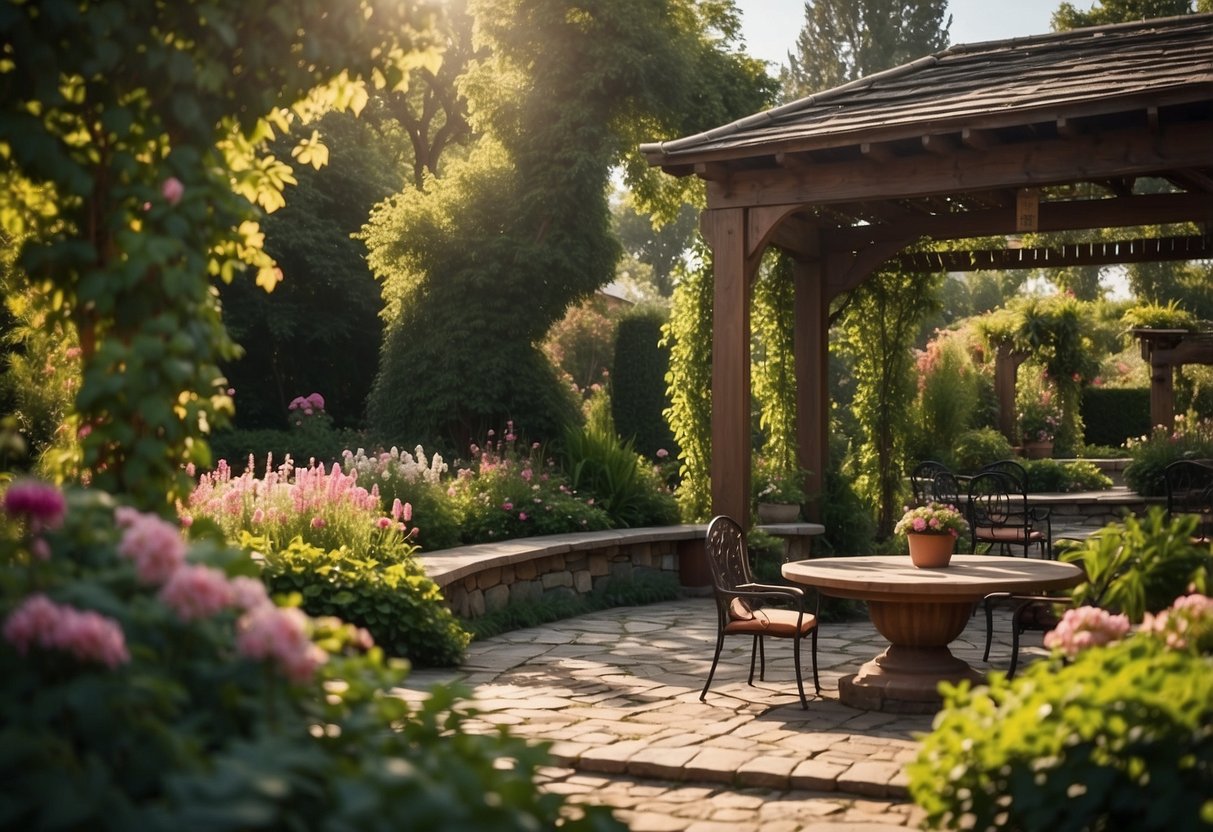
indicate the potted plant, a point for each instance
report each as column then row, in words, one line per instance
column 1039, row 420
column 931, row 532
column 778, row 491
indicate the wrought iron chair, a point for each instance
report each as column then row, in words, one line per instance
column 999, row 513
column 1029, row 612
column 922, row 481
column 1190, row 491
column 1041, row 515
column 740, row 606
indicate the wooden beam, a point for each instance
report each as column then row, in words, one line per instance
column 1068, row 128
column 1152, row 250
column 978, row 139
column 1030, row 164
column 940, row 145
column 795, row 162
column 877, row 152
column 713, row 171
column 730, row 466
column 1148, row 209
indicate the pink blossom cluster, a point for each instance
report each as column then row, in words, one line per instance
column 155, row 545
column 42, row 505
column 280, row 635
column 87, row 635
column 1085, row 627
column 312, row 403
column 1186, row 623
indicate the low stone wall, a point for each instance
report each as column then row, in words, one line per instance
column 488, row 576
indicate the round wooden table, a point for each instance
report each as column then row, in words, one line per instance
column 920, row 612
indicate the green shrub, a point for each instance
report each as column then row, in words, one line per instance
column 638, row 386
column 620, row 481
column 503, row 494
column 1120, row 737
column 1140, row 566
column 975, row 448
column 250, row 449
column 1112, row 415
column 1051, row 475
column 175, row 717
column 1192, row 438
column 393, row 599
column 948, row 398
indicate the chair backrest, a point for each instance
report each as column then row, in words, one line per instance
column 922, row 480
column 1190, row 491
column 1012, row 470
column 728, row 557
column 995, row 501
column 945, row 488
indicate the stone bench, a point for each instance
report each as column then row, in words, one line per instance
column 485, row 577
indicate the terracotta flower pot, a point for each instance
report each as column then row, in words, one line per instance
column 931, row 551
column 1037, row 450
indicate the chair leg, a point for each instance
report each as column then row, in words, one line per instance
column 755, row 646
column 715, row 660
column 816, row 679
column 1014, row 646
column 804, row 702
column 762, row 659
column 985, row 657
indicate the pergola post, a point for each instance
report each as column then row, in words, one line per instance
column 811, row 354
column 732, row 269
column 1006, row 369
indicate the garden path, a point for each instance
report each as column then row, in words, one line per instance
column 617, row 694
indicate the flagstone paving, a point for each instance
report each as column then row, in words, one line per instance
column 616, row 694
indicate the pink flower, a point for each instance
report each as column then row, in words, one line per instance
column 507, row 506
column 87, row 635
column 526, row 474
column 316, row 400
column 919, row 524
column 43, row 504
column 155, row 545
column 397, row 509
column 522, row 515
column 258, row 517
column 280, row 635
column 1086, row 627
column 384, row 522
column 407, row 516
column 248, row 593
column 195, row 592
column 172, row 190
column 662, row 453
column 318, row 523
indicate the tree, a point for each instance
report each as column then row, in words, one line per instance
column 659, row 246
column 843, row 40
column 480, row 264
column 147, row 122
column 1123, row 11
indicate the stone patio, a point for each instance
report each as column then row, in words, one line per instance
column 616, row 693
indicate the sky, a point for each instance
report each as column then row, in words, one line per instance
column 770, row 27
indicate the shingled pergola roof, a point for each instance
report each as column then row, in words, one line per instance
column 1106, row 127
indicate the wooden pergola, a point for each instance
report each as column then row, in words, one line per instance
column 1116, row 121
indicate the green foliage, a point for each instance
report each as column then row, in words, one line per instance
column 411, row 480
column 689, row 338
column 842, row 41
column 581, row 343
column 641, row 588
column 1142, row 565
column 479, row 266
column 975, row 448
column 772, row 481
column 1192, row 438
column 189, row 732
column 773, row 375
column 619, row 480
column 1160, row 316
column 1113, row 415
column 1119, row 738
column 876, row 330
column 149, row 135
column 237, row 446
column 1051, row 475
column 328, row 301
column 638, row 388
column 504, row 494
column 1122, row 11
column 388, row 595
column 948, row 396
column 850, row 528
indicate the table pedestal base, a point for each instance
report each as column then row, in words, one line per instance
column 904, row 680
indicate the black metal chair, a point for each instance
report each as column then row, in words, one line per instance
column 999, row 513
column 1028, row 612
column 1190, row 491
column 922, row 481
column 741, row 610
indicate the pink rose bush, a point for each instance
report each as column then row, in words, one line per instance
column 89, row 636
column 1086, row 627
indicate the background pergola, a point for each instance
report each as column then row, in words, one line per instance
column 952, row 146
